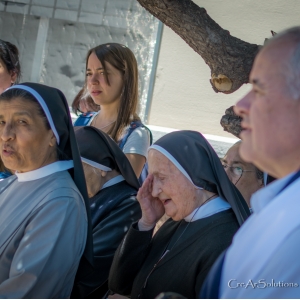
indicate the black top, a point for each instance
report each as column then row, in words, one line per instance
column 183, row 269
column 113, row 211
column 193, row 152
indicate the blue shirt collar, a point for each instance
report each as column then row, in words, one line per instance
column 264, row 196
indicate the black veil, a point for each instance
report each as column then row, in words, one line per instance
column 195, row 155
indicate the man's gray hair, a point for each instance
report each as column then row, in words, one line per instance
column 292, row 65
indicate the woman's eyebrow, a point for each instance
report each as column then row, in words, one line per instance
column 96, row 69
column 22, row 113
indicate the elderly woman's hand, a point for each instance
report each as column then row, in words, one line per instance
column 152, row 208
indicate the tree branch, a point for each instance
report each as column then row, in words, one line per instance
column 231, row 122
column 229, row 58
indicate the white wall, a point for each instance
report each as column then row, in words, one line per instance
column 183, row 97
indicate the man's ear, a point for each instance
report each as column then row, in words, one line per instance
column 103, row 173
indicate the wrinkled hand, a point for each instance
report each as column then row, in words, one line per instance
column 117, row 296
column 152, row 208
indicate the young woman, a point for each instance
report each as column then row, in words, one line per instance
column 112, row 82
column 10, row 72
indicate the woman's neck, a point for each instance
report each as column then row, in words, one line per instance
column 106, row 117
column 109, row 112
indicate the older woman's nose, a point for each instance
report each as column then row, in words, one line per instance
column 6, row 132
column 156, row 190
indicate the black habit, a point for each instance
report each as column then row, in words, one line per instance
column 113, row 210
column 138, row 268
column 183, row 269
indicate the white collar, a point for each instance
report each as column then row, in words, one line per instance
column 208, row 209
column 113, row 181
column 264, row 196
column 55, row 167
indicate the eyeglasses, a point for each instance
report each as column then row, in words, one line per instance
column 236, row 171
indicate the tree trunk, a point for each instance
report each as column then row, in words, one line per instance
column 229, row 58
column 231, row 122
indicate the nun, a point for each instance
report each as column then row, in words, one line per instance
column 44, row 225
column 112, row 188
column 187, row 182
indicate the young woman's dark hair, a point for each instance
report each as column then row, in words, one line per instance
column 83, row 97
column 122, row 58
column 9, row 54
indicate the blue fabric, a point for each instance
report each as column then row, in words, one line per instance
column 211, row 285
column 4, row 175
column 84, row 118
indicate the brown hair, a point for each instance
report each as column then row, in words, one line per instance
column 81, row 96
column 122, row 58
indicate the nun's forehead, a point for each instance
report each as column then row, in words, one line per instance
column 158, row 162
column 41, row 101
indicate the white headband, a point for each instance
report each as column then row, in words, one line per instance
column 95, row 165
column 175, row 162
column 43, row 104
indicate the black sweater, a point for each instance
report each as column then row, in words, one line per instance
column 113, row 210
column 183, row 269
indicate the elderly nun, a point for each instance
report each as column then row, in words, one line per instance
column 187, row 182
column 112, row 188
column 43, row 220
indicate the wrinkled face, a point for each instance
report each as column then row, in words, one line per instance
column 101, row 92
column 6, row 78
column 271, row 118
column 247, row 183
column 176, row 192
column 25, row 142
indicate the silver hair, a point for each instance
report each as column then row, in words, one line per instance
column 291, row 67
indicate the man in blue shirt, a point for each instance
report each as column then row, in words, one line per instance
column 263, row 260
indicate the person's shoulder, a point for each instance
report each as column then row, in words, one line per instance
column 85, row 118
column 4, row 182
column 61, row 184
column 224, row 220
column 140, row 133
